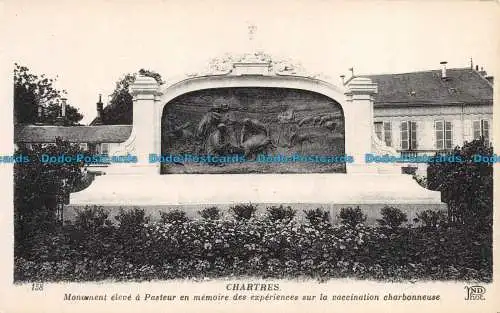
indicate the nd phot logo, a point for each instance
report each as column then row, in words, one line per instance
column 475, row 292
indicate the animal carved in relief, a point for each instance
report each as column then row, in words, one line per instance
column 255, row 138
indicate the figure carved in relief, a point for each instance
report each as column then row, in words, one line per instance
column 217, row 130
column 285, row 119
column 254, row 138
column 217, row 142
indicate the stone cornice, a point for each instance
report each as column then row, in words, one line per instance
column 361, row 86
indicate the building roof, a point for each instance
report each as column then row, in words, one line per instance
column 462, row 85
column 76, row 134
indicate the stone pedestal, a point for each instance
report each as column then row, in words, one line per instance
column 359, row 127
column 145, row 125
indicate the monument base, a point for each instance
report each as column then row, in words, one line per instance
column 370, row 192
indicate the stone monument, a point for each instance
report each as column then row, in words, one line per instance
column 242, row 98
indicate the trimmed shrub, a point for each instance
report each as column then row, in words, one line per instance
column 466, row 186
column 259, row 248
column 392, row 217
column 211, row 213
column 91, row 218
column 242, row 212
column 173, row 216
column 432, row 218
column 351, row 216
column 281, row 213
column 317, row 216
column 132, row 219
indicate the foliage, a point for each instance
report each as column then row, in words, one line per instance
column 132, row 219
column 276, row 213
column 39, row 188
column 432, row 219
column 258, row 247
column 392, row 217
column 31, row 90
column 421, row 180
column 467, row 186
column 351, row 216
column 174, row 216
column 243, row 211
column 317, row 216
column 210, row 213
column 119, row 110
column 92, row 218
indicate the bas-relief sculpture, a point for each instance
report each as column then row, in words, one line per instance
column 251, row 121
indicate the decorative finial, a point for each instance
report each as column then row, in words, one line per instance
column 352, row 71
column 251, row 31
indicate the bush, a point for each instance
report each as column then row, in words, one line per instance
column 467, row 186
column 211, row 213
column 259, row 248
column 132, row 219
column 392, row 217
column 281, row 213
column 173, row 216
column 243, row 211
column 318, row 216
column 351, row 217
column 92, row 218
column 431, row 218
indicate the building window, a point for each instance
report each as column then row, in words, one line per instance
column 92, row 148
column 83, row 146
column 104, row 148
column 481, row 129
column 388, row 134
column 383, row 130
column 408, row 135
column 444, row 135
column 378, row 130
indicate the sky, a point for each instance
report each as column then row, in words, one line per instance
column 90, row 44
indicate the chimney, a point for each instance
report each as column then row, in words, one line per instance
column 100, row 111
column 342, row 77
column 63, row 107
column 443, row 70
column 483, row 72
column 99, row 107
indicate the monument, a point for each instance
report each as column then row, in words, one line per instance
column 252, row 105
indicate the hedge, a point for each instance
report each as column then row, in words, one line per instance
column 269, row 247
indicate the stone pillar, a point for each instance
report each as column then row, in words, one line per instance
column 359, row 123
column 145, row 122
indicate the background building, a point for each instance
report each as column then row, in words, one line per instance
column 433, row 111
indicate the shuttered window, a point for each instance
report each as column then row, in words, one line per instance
column 408, row 135
column 378, row 130
column 444, row 134
column 480, row 129
column 388, row 134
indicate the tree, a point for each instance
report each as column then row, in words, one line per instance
column 40, row 187
column 31, row 90
column 466, row 186
column 119, row 110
